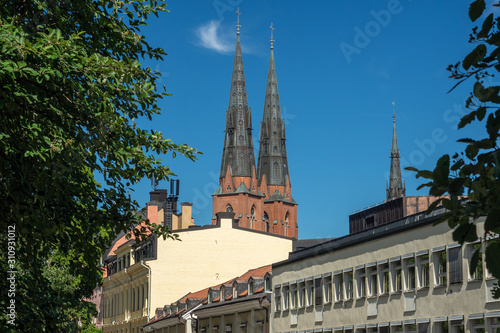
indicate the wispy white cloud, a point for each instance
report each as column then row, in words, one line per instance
column 210, row 37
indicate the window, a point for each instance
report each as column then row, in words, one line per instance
column 410, row 328
column 286, row 298
column 268, row 283
column 361, row 283
column 250, row 287
column 423, row 270
column 252, row 216
column 309, row 293
column 318, row 299
column 372, row 281
column 455, row 264
column 229, row 208
column 440, row 268
column 475, row 249
column 494, row 325
column 265, row 218
column 302, row 292
column 339, row 286
column 385, row 282
column 349, row 284
column 327, row 289
column 423, row 327
column 277, row 299
column 477, row 326
column 410, row 274
column 294, row 296
column 229, row 328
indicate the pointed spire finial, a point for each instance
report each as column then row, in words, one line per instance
column 394, row 112
column 272, row 39
column 238, row 26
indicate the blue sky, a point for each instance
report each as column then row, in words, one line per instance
column 340, row 65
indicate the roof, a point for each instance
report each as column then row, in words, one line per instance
column 401, row 225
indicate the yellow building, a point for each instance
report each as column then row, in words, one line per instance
column 143, row 277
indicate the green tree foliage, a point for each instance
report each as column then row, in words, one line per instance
column 71, row 87
column 475, row 172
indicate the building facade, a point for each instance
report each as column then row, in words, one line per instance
column 404, row 276
column 142, row 277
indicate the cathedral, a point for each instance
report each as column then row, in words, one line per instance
column 259, row 195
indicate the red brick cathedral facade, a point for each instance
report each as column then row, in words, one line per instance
column 259, row 195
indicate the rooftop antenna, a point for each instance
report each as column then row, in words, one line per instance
column 154, row 182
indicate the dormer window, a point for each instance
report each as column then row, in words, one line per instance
column 235, row 291
column 250, row 287
column 268, row 283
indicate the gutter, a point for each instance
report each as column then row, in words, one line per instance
column 149, row 286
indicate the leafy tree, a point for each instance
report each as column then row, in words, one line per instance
column 71, row 87
column 475, row 172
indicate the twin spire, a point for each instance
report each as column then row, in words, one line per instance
column 238, row 152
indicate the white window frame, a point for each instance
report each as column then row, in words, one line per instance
column 277, row 298
column 384, row 277
column 338, row 280
column 410, row 273
column 348, row 284
column 423, row 269
column 471, row 249
column 372, row 274
column 309, row 292
column 327, row 289
column 285, row 289
column 302, row 294
column 440, row 271
column 360, row 276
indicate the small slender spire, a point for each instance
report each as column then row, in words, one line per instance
column 238, row 26
column 396, row 188
column 272, row 39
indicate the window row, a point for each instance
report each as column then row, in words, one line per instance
column 453, row 324
column 118, row 304
column 439, row 267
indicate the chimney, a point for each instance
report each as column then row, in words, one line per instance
column 186, row 216
column 157, row 202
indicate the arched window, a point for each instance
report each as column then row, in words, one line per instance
column 229, row 208
column 252, row 216
column 286, row 224
column 266, row 221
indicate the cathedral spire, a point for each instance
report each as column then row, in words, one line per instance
column 238, row 153
column 272, row 161
column 395, row 189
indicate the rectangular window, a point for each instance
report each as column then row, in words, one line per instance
column 440, row 268
column 455, row 264
column 475, row 249
column 286, row 297
column 318, row 299
column 373, row 281
column 277, row 299
column 423, row 271
column 477, row 326
column 309, row 293
column 423, row 327
column 410, row 274
column 384, row 278
column 327, row 288
column 294, row 297
column 396, row 275
column 349, row 284
column 302, row 293
column 361, row 283
column 411, row 328
column 339, row 287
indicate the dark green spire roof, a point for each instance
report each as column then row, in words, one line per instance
column 238, row 152
column 272, row 160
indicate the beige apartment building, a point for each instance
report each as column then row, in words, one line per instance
column 146, row 276
column 403, row 276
